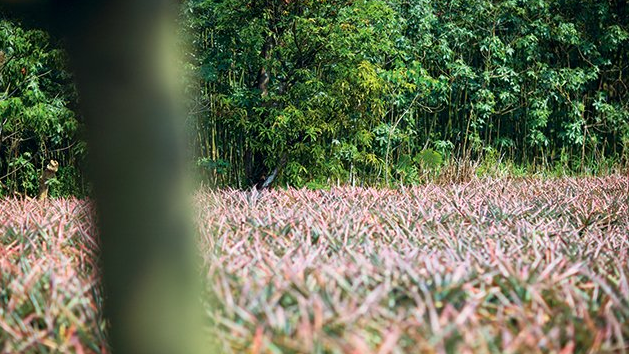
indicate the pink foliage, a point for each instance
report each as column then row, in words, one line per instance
column 509, row 265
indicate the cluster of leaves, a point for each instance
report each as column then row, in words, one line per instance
column 489, row 266
column 37, row 114
column 508, row 266
column 361, row 91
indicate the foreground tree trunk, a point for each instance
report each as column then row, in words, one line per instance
column 119, row 50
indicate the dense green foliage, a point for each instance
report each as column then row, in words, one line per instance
column 383, row 91
column 319, row 92
column 37, row 114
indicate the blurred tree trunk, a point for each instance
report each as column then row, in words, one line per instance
column 119, row 50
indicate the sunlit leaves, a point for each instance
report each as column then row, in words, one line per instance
column 528, row 79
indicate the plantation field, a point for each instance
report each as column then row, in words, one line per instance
column 489, row 266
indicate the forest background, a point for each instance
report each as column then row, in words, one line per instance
column 322, row 92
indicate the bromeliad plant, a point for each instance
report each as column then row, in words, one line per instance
column 487, row 266
column 492, row 266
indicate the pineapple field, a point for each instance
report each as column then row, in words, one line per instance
column 512, row 265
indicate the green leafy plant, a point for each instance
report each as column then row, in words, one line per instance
column 350, row 89
column 37, row 118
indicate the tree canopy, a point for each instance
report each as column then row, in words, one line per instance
column 38, row 114
column 319, row 92
column 383, row 90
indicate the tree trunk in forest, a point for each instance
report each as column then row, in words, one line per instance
column 269, row 180
column 118, row 49
column 255, row 169
column 48, row 174
column 262, row 82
